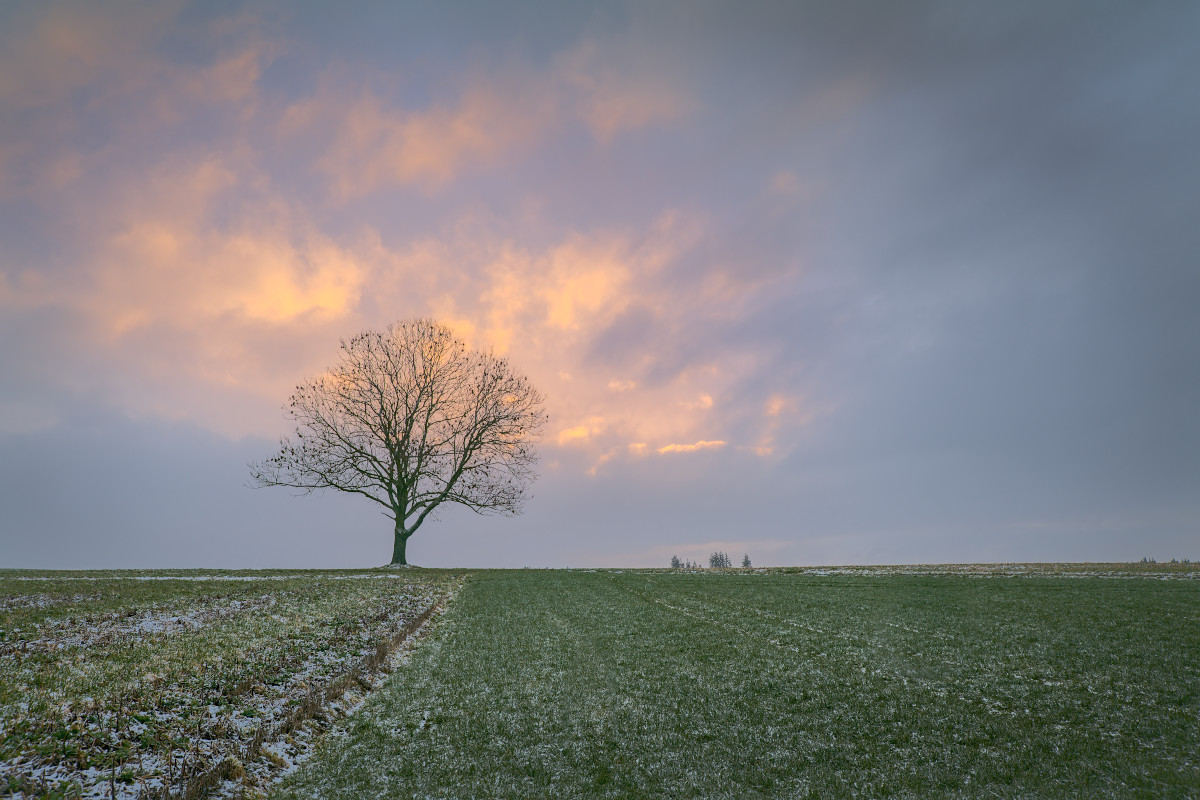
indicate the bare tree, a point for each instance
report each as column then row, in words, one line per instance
column 411, row 418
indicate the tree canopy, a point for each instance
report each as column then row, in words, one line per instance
column 411, row 418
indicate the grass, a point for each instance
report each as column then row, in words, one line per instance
column 1012, row 680
column 139, row 682
column 1015, row 682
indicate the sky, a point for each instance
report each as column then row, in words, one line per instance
column 817, row 282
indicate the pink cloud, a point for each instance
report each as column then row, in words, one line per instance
column 212, row 306
column 208, row 286
column 371, row 145
column 691, row 448
column 368, row 144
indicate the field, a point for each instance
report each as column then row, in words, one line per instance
column 631, row 684
column 1007, row 681
column 189, row 684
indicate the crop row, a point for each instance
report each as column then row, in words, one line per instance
column 142, row 687
column 664, row 683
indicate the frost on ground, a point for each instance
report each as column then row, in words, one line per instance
column 139, row 688
column 614, row 684
column 1162, row 571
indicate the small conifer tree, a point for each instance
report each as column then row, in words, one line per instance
column 675, row 562
column 719, row 559
column 746, row 560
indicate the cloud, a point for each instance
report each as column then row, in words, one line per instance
column 586, row 430
column 200, row 273
column 691, row 448
column 614, row 94
column 368, row 144
column 564, row 305
column 172, row 263
column 206, row 264
column 48, row 56
column 232, row 78
column 587, row 278
column 98, row 92
column 180, row 288
column 776, row 404
column 179, row 299
column 870, row 258
column 577, row 432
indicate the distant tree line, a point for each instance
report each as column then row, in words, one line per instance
column 715, row 559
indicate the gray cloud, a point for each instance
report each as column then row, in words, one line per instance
column 960, row 236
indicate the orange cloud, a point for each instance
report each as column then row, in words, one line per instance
column 577, row 432
column 691, row 448
column 583, row 432
column 204, row 276
column 176, row 276
column 510, row 299
column 186, row 275
column 371, row 145
column 545, row 309
column 171, row 264
column 203, row 282
column 776, row 404
column 290, row 279
column 516, row 295
column 586, row 278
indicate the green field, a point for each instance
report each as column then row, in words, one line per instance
column 635, row 684
column 969, row 681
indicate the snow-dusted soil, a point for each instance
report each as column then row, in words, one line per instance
column 191, row 684
column 1184, row 570
column 807, row 684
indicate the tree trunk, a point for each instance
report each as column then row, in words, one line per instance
column 401, row 540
